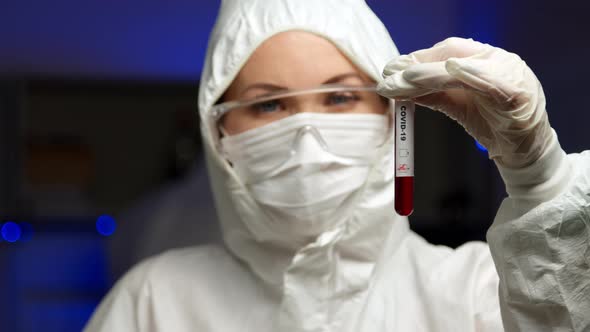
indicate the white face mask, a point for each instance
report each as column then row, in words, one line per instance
column 305, row 169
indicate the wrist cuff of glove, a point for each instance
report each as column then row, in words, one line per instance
column 543, row 180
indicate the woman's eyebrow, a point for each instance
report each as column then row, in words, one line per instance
column 272, row 87
column 342, row 77
column 263, row 86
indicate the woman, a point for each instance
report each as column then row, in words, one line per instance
column 300, row 158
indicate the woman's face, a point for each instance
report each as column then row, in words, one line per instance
column 292, row 60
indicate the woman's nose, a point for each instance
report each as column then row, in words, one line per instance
column 308, row 106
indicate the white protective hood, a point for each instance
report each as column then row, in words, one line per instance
column 312, row 278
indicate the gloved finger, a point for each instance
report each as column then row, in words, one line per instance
column 398, row 64
column 395, row 86
column 453, row 47
column 437, row 101
column 450, row 103
column 419, row 80
column 432, row 76
column 476, row 75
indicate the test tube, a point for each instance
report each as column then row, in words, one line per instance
column 404, row 157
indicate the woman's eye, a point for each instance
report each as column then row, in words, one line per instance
column 342, row 98
column 267, row 106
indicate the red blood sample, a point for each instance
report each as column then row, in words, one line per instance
column 404, row 195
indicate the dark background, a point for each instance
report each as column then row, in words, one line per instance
column 100, row 157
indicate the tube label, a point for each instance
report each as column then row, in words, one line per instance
column 404, row 138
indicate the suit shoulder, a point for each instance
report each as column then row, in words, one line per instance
column 178, row 264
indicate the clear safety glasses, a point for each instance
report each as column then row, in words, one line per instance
column 347, row 121
column 235, row 117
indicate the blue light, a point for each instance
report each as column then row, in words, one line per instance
column 106, row 225
column 11, row 231
column 480, row 147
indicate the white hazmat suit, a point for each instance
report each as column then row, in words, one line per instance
column 368, row 272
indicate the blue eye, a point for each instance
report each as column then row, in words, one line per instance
column 341, row 98
column 267, row 106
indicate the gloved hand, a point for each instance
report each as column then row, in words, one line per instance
column 492, row 93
